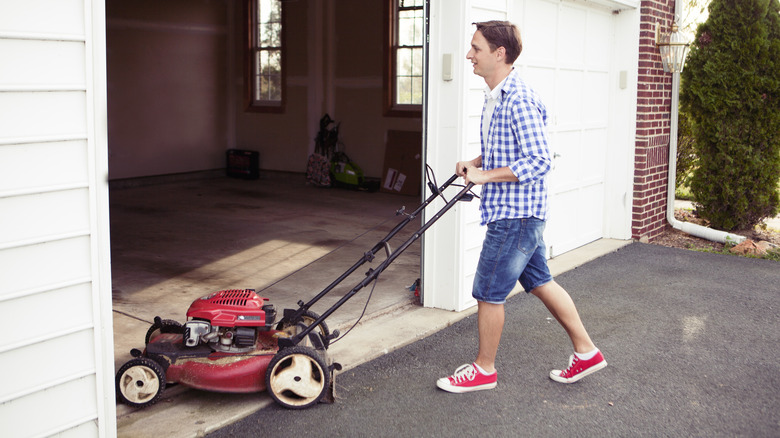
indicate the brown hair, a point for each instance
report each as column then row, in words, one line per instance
column 502, row 34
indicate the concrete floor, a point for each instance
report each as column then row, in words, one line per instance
column 174, row 242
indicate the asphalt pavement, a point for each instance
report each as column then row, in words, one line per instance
column 691, row 339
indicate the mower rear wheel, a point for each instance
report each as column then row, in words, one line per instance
column 140, row 382
column 308, row 319
column 297, row 377
column 163, row 326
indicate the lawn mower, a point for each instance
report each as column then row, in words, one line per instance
column 231, row 341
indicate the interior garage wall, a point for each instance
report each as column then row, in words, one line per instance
column 166, row 86
column 282, row 139
column 335, row 66
column 358, row 83
column 176, row 91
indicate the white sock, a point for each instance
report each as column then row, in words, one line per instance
column 479, row 368
column 587, row 356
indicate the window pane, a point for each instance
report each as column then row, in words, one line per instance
column 275, row 88
column 409, row 62
column 269, row 35
column 272, row 62
column 410, row 3
column 404, row 91
column 269, row 11
column 404, row 62
column 417, row 90
column 417, row 62
column 410, row 28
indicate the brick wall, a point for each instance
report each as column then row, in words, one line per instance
column 654, row 98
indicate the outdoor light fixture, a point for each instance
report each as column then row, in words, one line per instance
column 673, row 48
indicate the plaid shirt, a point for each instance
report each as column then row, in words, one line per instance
column 517, row 139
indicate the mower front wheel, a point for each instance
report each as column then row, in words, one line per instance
column 140, row 382
column 297, row 377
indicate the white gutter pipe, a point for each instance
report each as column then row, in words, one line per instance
column 686, row 227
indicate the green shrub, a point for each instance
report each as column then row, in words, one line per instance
column 731, row 95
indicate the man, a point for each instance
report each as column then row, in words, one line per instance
column 512, row 168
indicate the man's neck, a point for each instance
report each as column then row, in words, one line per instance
column 499, row 76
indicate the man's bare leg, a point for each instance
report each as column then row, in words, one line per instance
column 490, row 324
column 560, row 304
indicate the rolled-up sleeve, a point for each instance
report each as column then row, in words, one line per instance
column 528, row 127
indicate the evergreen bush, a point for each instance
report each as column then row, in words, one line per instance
column 731, row 95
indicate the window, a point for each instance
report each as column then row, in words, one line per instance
column 404, row 58
column 265, row 66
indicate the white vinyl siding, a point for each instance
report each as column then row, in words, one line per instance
column 55, row 294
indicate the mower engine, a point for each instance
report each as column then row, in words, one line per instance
column 228, row 321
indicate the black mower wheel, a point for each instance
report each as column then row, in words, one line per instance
column 140, row 382
column 163, row 326
column 308, row 319
column 297, row 377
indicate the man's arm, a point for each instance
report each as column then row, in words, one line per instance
column 471, row 172
column 479, row 176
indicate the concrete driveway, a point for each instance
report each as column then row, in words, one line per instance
column 691, row 339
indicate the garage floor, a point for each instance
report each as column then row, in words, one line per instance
column 177, row 241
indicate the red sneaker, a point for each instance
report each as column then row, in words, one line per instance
column 578, row 368
column 467, row 378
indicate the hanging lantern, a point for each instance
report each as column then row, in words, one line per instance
column 673, row 48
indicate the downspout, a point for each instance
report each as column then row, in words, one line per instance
column 686, row 227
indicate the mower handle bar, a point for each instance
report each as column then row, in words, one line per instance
column 372, row 274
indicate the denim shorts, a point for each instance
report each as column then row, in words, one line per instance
column 513, row 250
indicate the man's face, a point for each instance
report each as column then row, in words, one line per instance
column 482, row 59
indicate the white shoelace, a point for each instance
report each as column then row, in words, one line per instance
column 466, row 372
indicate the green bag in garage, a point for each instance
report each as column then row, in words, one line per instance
column 345, row 172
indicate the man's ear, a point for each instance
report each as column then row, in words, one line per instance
column 501, row 53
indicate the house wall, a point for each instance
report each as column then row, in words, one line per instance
column 653, row 125
column 56, row 354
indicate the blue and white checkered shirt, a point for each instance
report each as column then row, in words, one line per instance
column 516, row 138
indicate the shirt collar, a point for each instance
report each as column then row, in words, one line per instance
column 495, row 93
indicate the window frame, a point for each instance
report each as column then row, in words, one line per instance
column 391, row 108
column 250, row 103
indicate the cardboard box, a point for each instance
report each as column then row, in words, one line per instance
column 403, row 163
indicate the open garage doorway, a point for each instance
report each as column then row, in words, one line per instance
column 180, row 97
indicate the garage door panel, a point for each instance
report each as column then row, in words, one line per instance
column 592, row 212
column 571, row 44
column 538, row 42
column 600, row 35
column 542, row 80
column 597, row 107
column 569, row 102
column 594, row 146
column 566, row 149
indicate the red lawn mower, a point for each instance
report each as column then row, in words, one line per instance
column 231, row 341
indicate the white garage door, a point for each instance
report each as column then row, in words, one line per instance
column 567, row 58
